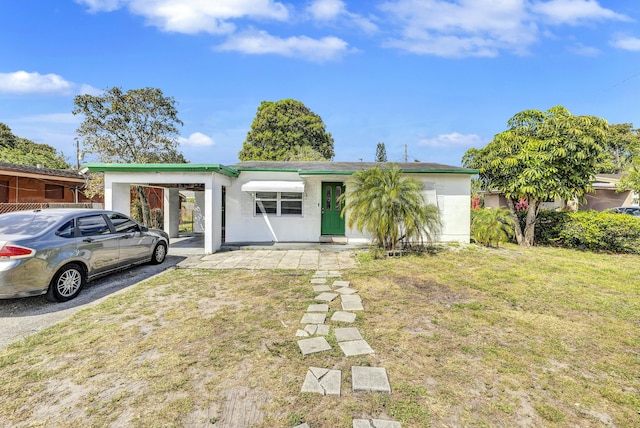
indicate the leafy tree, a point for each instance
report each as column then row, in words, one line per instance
column 622, row 144
column 21, row 151
column 630, row 179
column 305, row 154
column 137, row 126
column 492, row 226
column 381, row 153
column 390, row 206
column 282, row 126
column 541, row 156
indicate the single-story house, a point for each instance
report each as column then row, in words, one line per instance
column 279, row 201
column 605, row 195
column 21, row 184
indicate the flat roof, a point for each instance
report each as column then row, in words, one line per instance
column 162, row 167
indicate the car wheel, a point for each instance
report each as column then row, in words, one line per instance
column 159, row 253
column 67, row 283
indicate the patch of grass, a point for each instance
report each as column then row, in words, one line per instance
column 469, row 337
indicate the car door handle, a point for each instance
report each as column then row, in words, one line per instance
column 87, row 240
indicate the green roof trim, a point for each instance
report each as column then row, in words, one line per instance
column 340, row 168
column 162, row 167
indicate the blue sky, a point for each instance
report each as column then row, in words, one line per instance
column 435, row 76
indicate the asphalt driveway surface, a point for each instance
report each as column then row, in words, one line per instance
column 22, row 317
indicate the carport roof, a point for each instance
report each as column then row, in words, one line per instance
column 162, row 167
column 303, row 168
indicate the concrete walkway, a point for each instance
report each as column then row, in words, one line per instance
column 308, row 259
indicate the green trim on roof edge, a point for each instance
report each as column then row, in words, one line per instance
column 162, row 167
column 235, row 171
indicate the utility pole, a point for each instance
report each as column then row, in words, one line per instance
column 405, row 153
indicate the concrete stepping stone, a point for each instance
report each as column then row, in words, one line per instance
column 304, row 425
column 350, row 298
column 326, row 297
column 321, row 288
column 352, row 306
column 372, row 379
column 375, row 423
column 322, row 330
column 355, row 347
column 322, row 381
column 313, row 318
column 318, row 280
column 346, row 290
column 313, row 345
column 302, row 333
column 346, row 334
column 319, row 307
column 343, row 316
column 339, row 284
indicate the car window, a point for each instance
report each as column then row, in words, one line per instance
column 26, row 223
column 93, row 225
column 66, row 230
column 123, row 223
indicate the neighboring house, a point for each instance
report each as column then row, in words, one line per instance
column 35, row 184
column 280, row 201
column 604, row 195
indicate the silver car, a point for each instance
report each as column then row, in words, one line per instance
column 56, row 251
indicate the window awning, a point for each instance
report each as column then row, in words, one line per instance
column 273, row 186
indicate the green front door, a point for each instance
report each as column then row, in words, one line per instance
column 332, row 223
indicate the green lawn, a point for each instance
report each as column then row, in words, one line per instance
column 469, row 337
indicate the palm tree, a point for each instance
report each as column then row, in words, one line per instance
column 492, row 226
column 390, row 206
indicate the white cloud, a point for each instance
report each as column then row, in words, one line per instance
column 466, row 28
column 335, row 10
column 584, row 50
column 574, row 12
column 260, row 42
column 194, row 16
column 626, row 43
column 197, row 139
column 22, row 82
column 453, row 140
column 327, row 9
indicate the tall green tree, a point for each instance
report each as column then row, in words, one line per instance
column 381, row 153
column 281, row 129
column 14, row 149
column 541, row 156
column 390, row 206
column 622, row 144
column 137, row 126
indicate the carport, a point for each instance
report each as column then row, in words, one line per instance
column 208, row 181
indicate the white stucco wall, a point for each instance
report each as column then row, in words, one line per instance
column 451, row 193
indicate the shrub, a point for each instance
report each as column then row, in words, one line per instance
column 548, row 226
column 595, row 231
column 492, row 226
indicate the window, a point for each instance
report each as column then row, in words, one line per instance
column 4, row 191
column 93, row 225
column 66, row 230
column 123, row 224
column 53, row 191
column 278, row 203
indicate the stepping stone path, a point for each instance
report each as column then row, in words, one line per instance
column 326, row 381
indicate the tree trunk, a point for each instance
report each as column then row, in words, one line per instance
column 516, row 220
column 144, row 204
column 530, row 224
column 525, row 237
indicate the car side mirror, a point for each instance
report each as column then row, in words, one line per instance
column 144, row 228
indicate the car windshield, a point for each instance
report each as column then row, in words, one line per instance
column 26, row 223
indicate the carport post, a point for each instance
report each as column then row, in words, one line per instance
column 172, row 212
